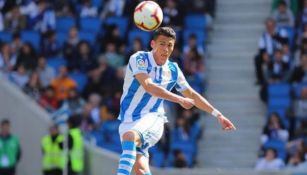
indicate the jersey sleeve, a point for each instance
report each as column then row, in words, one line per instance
column 181, row 83
column 137, row 64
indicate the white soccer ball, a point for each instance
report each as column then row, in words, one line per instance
column 148, row 15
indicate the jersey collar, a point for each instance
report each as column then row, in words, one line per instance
column 153, row 62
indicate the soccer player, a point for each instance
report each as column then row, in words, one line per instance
column 149, row 79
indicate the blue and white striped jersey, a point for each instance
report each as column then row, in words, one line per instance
column 135, row 101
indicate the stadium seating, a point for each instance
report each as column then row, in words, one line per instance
column 91, row 24
column 32, row 37
column 195, row 21
column 63, row 24
column 5, row 36
column 81, row 80
column 88, row 36
column 137, row 33
column 55, row 63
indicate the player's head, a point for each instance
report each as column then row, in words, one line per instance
column 162, row 44
column 5, row 127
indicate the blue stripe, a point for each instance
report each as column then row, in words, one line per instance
column 143, row 102
column 128, row 98
column 130, row 67
column 149, row 64
column 128, row 156
column 128, row 145
column 123, row 171
column 124, row 162
column 147, row 174
column 160, row 76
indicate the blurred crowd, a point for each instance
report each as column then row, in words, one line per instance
column 70, row 56
column 281, row 65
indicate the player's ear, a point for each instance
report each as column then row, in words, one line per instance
column 152, row 44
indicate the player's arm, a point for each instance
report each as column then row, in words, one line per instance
column 203, row 104
column 158, row 91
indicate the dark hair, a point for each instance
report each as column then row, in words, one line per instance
column 283, row 3
column 5, row 121
column 165, row 31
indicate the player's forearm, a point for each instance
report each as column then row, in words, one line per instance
column 160, row 92
column 200, row 102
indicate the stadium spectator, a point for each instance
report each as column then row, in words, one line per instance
column 172, row 15
column 14, row 21
column 274, row 129
column 95, row 100
column 301, row 18
column 45, row 72
column 87, row 123
column 53, row 160
column 269, row 161
column 136, row 46
column 277, row 68
column 70, row 45
column 50, row 46
column 7, row 58
column 113, row 8
column 75, row 145
column 113, row 58
column 270, row 40
column 112, row 35
column 16, row 43
column 192, row 45
column 295, row 160
column 87, row 10
column 41, row 17
column 300, row 104
column 27, row 57
column 301, row 130
column 74, row 103
column 10, row 151
column 62, row 84
column 283, row 15
column 298, row 74
column 84, row 59
column 33, row 86
column 177, row 56
column 19, row 77
column 64, row 9
column 48, row 100
column 287, row 56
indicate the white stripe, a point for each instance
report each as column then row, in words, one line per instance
column 134, row 102
column 125, row 167
column 120, row 174
column 129, row 152
column 128, row 160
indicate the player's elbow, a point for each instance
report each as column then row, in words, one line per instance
column 152, row 89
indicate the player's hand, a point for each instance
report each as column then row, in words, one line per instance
column 186, row 103
column 226, row 123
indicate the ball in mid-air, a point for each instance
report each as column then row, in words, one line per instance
column 148, row 15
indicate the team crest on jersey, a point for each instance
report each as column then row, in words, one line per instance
column 140, row 64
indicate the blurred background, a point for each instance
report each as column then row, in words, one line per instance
column 62, row 64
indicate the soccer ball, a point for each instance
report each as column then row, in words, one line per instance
column 148, row 15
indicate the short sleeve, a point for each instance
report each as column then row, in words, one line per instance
column 138, row 63
column 181, row 83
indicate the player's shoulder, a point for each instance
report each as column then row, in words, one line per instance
column 139, row 55
column 172, row 65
